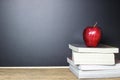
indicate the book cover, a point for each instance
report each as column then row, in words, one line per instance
column 100, row 48
column 95, row 74
column 98, row 58
column 95, row 67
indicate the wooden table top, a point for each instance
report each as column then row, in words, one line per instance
column 40, row 74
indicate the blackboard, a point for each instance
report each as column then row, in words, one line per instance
column 37, row 32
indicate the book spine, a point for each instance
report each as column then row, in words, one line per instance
column 102, row 59
column 98, row 67
column 94, row 67
column 95, row 74
column 98, row 49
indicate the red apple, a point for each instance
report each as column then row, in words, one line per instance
column 92, row 35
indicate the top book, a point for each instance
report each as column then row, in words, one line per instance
column 101, row 48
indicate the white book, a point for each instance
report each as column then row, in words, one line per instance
column 95, row 74
column 92, row 58
column 94, row 67
column 100, row 48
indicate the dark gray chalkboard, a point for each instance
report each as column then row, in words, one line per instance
column 37, row 32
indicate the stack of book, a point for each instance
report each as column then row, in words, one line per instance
column 94, row 62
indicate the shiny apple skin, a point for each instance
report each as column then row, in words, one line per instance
column 92, row 36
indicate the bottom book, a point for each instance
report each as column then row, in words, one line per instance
column 95, row 74
column 92, row 67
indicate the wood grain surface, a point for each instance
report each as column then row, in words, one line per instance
column 40, row 74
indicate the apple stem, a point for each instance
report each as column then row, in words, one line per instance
column 95, row 24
